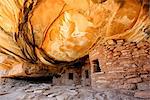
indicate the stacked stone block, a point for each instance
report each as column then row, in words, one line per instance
column 124, row 65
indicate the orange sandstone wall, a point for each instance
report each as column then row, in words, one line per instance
column 123, row 65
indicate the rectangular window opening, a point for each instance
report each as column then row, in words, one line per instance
column 96, row 66
column 70, row 76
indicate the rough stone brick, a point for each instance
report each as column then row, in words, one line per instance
column 134, row 80
column 131, row 76
column 146, row 67
column 128, row 86
column 119, row 48
column 111, row 42
column 116, row 54
column 143, row 86
column 142, row 94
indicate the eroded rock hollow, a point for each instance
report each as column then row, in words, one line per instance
column 40, row 35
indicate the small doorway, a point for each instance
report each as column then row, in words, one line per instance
column 70, row 77
column 86, row 74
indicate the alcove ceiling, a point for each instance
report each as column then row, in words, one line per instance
column 60, row 31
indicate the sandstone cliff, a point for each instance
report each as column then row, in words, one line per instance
column 55, row 32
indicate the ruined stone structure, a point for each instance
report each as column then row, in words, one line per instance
column 42, row 37
column 80, row 75
column 69, row 76
column 118, row 64
column 86, row 74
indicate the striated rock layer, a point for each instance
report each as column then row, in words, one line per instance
column 56, row 32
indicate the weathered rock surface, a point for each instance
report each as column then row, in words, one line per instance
column 34, row 32
column 11, row 89
column 143, row 94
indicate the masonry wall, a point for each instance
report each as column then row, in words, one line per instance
column 86, row 74
column 63, row 78
column 124, row 65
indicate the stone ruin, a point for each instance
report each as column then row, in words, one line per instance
column 37, row 41
column 117, row 64
column 121, row 65
column 75, row 76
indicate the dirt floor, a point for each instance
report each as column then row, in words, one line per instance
column 39, row 89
